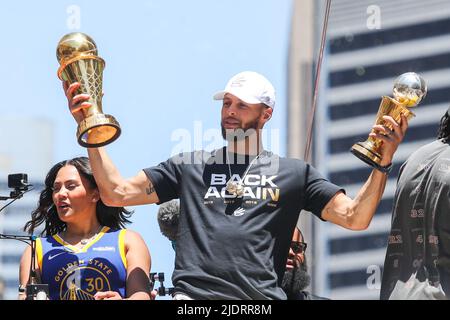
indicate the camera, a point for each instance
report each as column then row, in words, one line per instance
column 162, row 291
column 18, row 181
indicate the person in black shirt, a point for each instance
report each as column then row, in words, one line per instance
column 239, row 204
column 296, row 278
column 417, row 263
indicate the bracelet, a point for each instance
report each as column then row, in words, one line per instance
column 385, row 169
column 22, row 289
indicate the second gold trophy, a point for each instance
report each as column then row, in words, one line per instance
column 409, row 89
column 79, row 62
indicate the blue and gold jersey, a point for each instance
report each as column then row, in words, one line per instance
column 78, row 274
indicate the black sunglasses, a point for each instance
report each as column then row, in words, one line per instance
column 298, row 246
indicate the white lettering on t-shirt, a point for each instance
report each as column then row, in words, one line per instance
column 249, row 193
column 265, row 180
column 248, row 180
column 218, row 179
column 264, row 187
column 212, row 192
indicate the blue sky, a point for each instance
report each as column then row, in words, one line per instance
column 164, row 61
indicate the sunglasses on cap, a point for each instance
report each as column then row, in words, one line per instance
column 298, row 246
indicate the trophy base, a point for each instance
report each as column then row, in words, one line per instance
column 365, row 154
column 98, row 130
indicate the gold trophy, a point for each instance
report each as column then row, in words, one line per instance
column 79, row 62
column 409, row 89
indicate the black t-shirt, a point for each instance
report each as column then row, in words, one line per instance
column 236, row 247
column 420, row 229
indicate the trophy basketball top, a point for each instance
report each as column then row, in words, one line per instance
column 409, row 89
column 74, row 46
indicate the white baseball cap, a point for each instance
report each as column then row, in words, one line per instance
column 250, row 87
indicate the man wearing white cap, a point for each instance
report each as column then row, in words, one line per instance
column 239, row 204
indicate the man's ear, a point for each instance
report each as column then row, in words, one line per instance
column 267, row 114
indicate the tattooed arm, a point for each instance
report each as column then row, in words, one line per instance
column 114, row 189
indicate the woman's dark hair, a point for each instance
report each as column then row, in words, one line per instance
column 444, row 127
column 113, row 217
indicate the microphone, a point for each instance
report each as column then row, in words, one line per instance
column 168, row 216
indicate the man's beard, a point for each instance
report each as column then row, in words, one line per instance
column 239, row 134
column 296, row 279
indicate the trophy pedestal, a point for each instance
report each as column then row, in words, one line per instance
column 98, row 130
column 364, row 152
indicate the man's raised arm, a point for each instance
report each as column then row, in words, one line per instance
column 356, row 214
column 114, row 189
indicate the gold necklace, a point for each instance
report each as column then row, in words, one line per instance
column 84, row 241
